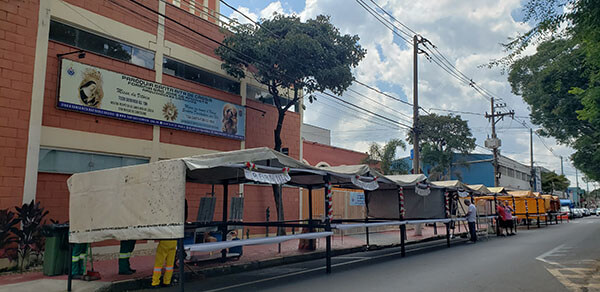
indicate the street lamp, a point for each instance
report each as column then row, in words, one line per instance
column 81, row 54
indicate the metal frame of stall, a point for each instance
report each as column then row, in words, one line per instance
column 320, row 179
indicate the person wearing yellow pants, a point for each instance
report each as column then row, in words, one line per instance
column 165, row 252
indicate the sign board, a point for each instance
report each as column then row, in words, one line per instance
column 357, row 199
column 92, row 90
column 538, row 179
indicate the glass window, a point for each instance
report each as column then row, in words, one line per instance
column 192, row 73
column 60, row 161
column 94, row 43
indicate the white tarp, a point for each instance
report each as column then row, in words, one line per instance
column 136, row 202
column 407, row 179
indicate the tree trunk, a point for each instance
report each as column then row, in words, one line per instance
column 277, row 191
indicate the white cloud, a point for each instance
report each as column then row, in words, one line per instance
column 241, row 18
column 270, row 9
column 468, row 33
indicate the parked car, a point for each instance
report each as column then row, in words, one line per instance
column 577, row 213
column 586, row 212
column 565, row 210
column 598, row 212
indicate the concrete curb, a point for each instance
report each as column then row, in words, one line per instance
column 144, row 283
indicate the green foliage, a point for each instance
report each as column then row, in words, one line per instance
column 554, row 182
column 441, row 136
column 284, row 53
column 561, row 82
column 546, row 80
column 8, row 220
column 31, row 216
column 385, row 156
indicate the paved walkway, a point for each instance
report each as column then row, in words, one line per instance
column 36, row 281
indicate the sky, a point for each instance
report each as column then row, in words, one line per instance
column 467, row 33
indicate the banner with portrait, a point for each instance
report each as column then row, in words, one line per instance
column 89, row 89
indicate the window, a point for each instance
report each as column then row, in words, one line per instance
column 94, row 43
column 262, row 95
column 192, row 73
column 60, row 161
column 511, row 172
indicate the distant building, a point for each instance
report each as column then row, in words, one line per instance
column 478, row 169
column 575, row 195
column 316, row 134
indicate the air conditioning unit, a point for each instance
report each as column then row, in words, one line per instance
column 493, row 143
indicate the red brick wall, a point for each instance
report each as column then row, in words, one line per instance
column 123, row 11
column 53, row 194
column 18, row 32
column 314, row 153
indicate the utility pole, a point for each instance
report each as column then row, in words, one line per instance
column 494, row 142
column 562, row 170
column 416, row 51
column 533, row 178
column 577, row 184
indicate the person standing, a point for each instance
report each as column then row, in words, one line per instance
column 165, row 253
column 125, row 251
column 78, row 260
column 510, row 223
column 471, row 218
column 501, row 220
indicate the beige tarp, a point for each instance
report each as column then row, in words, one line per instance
column 407, row 179
column 497, row 190
column 147, row 201
column 482, row 189
column 453, row 184
column 135, row 202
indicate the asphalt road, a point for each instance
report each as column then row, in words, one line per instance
column 564, row 257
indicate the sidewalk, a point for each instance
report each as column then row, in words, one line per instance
column 254, row 257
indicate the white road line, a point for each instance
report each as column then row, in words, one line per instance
column 543, row 256
column 358, row 259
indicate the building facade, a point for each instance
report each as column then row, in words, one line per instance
column 479, row 169
column 149, row 87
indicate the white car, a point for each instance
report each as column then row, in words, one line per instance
column 597, row 211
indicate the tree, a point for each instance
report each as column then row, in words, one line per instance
column 284, row 53
column 554, row 182
column 385, row 156
column 440, row 136
column 561, row 81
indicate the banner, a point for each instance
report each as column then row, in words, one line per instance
column 422, row 190
column 369, row 186
column 269, row 178
column 97, row 91
column 357, row 199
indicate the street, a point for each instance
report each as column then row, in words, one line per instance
column 560, row 257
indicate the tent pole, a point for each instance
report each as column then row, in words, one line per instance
column 403, row 226
column 448, row 234
column 224, row 226
column 328, row 207
column 181, row 265
column 537, row 210
column 310, row 210
column 70, row 277
column 367, row 216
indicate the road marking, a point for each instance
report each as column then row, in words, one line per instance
column 357, row 260
column 551, row 252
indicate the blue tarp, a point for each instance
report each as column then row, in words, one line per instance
column 565, row 202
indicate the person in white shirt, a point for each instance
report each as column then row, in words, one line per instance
column 471, row 218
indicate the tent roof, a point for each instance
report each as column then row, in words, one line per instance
column 343, row 175
column 480, row 188
column 452, row 184
column 524, row 193
column 407, row 179
column 497, row 190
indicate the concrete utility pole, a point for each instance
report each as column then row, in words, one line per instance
column 533, row 180
column 417, row 39
column 562, row 170
column 494, row 143
column 416, row 168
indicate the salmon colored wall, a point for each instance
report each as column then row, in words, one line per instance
column 18, row 32
column 314, row 153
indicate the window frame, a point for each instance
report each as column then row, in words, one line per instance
column 165, row 57
column 133, row 47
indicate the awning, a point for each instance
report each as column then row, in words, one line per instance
column 482, row 189
column 407, row 179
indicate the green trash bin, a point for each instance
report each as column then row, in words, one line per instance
column 56, row 253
